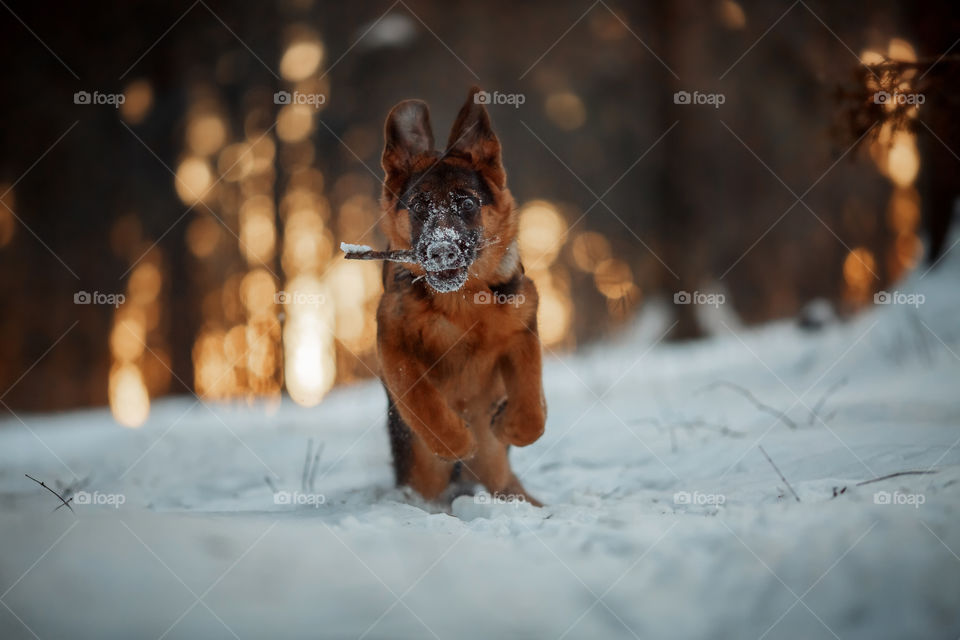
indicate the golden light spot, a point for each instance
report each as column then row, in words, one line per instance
column 262, row 354
column 308, row 245
column 908, row 249
column 903, row 159
column 257, row 236
column 858, row 274
column 553, row 317
column 8, row 223
column 308, row 180
column 264, row 151
column 236, row 162
column 294, row 122
column 903, row 213
column 900, row 49
column 214, row 374
column 354, row 286
column 614, row 279
column 358, row 214
column 203, row 234
column 309, row 349
column 732, row 15
column 128, row 336
column 235, row 343
column 145, row 283
column 206, row 133
column 194, row 180
column 566, row 110
column 138, row 99
column 541, row 234
column 870, row 57
column 589, row 250
column 258, row 291
column 301, row 60
column 129, row 400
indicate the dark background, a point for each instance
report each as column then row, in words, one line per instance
column 693, row 197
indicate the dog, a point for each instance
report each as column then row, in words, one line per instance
column 459, row 353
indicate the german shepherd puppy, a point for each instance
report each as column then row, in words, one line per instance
column 457, row 329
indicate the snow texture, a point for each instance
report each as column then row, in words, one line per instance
column 346, row 247
column 664, row 518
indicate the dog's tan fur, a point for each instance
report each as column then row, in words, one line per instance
column 463, row 378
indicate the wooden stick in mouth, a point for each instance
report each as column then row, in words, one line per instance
column 363, row 252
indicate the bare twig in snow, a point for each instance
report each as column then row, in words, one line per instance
column 815, row 412
column 65, row 503
column 753, row 399
column 778, row 472
column 306, row 466
column 270, row 483
column 894, row 475
column 311, row 481
column 841, row 490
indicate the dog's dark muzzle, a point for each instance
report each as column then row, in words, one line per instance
column 446, row 255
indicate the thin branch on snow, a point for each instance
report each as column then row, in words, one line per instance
column 837, row 491
column 753, row 399
column 894, row 475
column 306, row 466
column 311, row 481
column 65, row 503
column 815, row 412
column 697, row 423
column 763, row 451
column 270, row 483
column 69, row 490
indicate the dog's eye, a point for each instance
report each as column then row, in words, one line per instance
column 419, row 208
column 469, row 205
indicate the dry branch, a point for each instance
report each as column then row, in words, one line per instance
column 361, row 252
column 64, row 503
column 778, row 472
column 753, row 399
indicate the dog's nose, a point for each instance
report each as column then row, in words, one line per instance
column 444, row 255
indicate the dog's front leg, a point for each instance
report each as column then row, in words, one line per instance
column 422, row 407
column 522, row 420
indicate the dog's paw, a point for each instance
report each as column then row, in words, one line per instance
column 518, row 427
column 460, row 445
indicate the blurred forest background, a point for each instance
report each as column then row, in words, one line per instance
column 200, row 199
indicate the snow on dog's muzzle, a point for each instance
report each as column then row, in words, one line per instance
column 446, row 255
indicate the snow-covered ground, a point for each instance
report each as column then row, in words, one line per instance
column 664, row 518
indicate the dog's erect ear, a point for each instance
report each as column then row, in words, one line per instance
column 407, row 133
column 472, row 136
